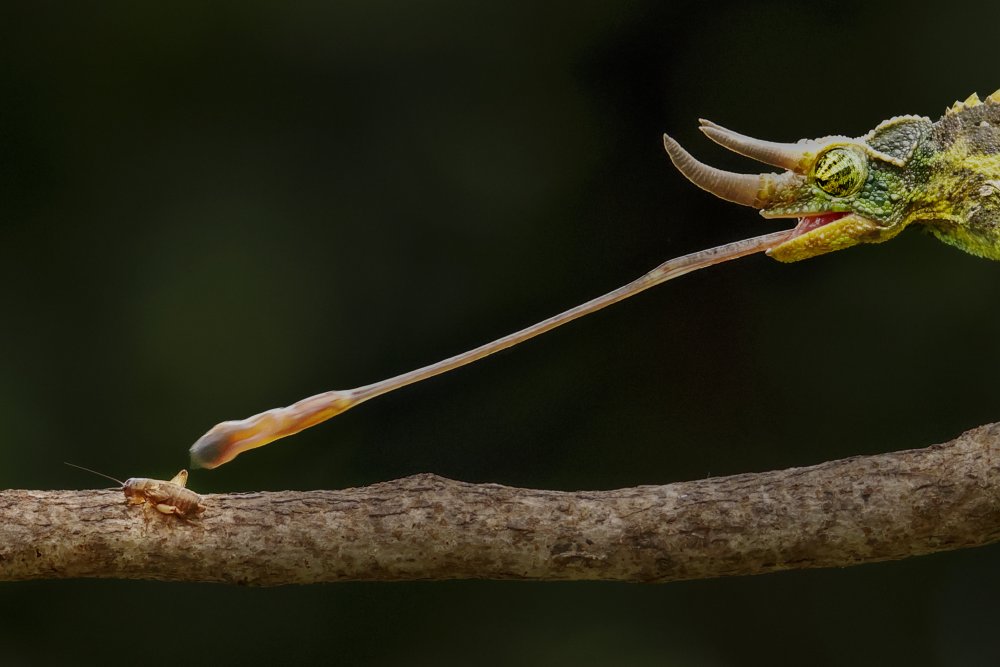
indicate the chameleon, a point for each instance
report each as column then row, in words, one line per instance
column 943, row 175
column 841, row 191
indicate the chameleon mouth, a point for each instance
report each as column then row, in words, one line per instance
column 808, row 223
column 822, row 233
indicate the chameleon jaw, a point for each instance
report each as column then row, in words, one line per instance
column 820, row 233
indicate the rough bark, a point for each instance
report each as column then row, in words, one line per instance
column 856, row 510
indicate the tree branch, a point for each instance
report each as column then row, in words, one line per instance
column 856, row 510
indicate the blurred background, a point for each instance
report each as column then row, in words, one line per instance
column 211, row 209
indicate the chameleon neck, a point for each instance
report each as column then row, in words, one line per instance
column 962, row 203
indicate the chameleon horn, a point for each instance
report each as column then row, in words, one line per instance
column 786, row 156
column 743, row 189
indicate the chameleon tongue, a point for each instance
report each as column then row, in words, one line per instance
column 809, row 223
column 227, row 440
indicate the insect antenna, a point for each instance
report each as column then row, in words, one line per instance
column 95, row 472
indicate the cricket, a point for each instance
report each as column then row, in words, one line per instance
column 943, row 176
column 166, row 497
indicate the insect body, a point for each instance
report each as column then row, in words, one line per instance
column 167, row 497
column 841, row 191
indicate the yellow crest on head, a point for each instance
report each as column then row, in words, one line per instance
column 970, row 101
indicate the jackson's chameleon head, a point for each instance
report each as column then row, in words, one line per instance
column 844, row 191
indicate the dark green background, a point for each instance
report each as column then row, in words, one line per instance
column 210, row 209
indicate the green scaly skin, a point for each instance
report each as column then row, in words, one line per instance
column 908, row 170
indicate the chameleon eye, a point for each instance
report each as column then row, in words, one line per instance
column 840, row 171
